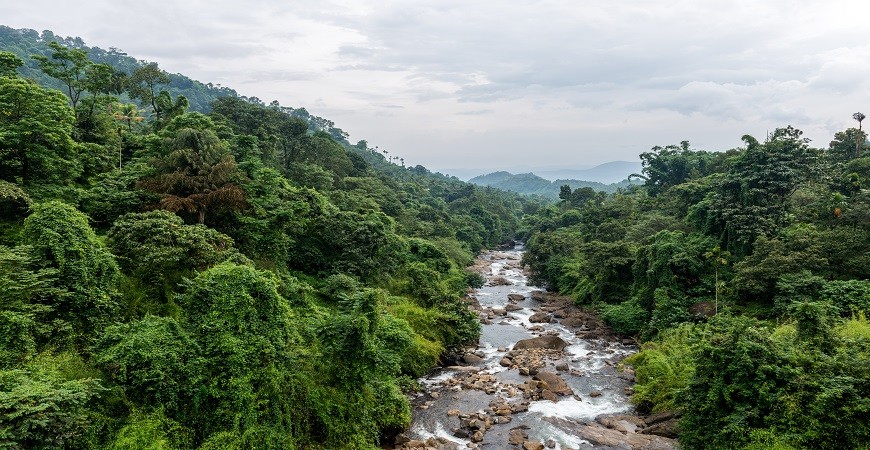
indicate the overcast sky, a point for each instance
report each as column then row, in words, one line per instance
column 508, row 84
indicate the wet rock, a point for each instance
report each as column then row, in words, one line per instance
column 550, row 342
column 524, row 371
column 594, row 394
column 516, row 297
column 540, row 317
column 511, row 307
column 668, row 429
column 562, row 367
column 573, row 322
column 505, row 362
column 555, row 383
column 599, row 435
column 499, row 281
column 533, row 445
column 620, row 424
column 551, row 443
column 517, row 436
column 660, row 417
column 499, row 311
column 434, row 394
column 549, row 395
column 477, row 436
column 453, row 412
column 628, row 342
column 471, row 358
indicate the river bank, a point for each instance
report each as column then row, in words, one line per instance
column 543, row 375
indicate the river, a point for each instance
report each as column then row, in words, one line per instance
column 531, row 398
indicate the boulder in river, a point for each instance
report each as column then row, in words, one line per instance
column 540, row 317
column 550, row 342
column 555, row 383
column 516, row 297
column 471, row 358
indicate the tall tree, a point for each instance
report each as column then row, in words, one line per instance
column 69, row 65
column 860, row 118
column 144, row 84
column 35, row 134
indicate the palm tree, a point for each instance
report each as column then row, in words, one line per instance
column 860, row 138
column 129, row 113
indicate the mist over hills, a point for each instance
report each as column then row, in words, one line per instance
column 532, row 184
column 609, row 172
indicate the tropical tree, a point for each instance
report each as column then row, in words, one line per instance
column 860, row 118
column 35, row 142
column 70, row 66
column 144, row 84
column 197, row 173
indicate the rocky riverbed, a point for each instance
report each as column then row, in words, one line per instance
column 544, row 375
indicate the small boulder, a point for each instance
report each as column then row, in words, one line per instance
column 533, row 445
column 540, row 317
column 471, row 358
column 517, row 436
column 549, row 342
column 516, row 297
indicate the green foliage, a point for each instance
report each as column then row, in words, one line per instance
column 849, row 296
column 35, row 143
column 14, row 202
column 60, row 239
column 151, row 432
column 42, row 407
column 195, row 174
column 153, row 360
column 628, row 317
column 22, row 319
column 664, row 368
column 246, row 332
column 158, row 248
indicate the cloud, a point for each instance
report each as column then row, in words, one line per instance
column 453, row 80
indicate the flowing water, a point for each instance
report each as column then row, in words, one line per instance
column 599, row 388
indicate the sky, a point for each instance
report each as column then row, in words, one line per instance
column 468, row 85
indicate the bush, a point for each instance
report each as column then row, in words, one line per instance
column 849, row 297
column 663, row 368
column 625, row 318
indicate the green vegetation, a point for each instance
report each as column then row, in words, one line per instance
column 746, row 273
column 235, row 277
column 184, row 268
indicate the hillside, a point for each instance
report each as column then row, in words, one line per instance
column 241, row 278
column 609, row 172
column 200, row 96
column 531, row 184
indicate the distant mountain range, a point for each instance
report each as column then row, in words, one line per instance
column 611, row 172
column 531, row 184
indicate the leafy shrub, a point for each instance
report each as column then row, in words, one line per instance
column 664, row 368
column 625, row 318
column 849, row 297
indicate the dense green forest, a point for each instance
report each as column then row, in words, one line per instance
column 182, row 267
column 746, row 273
column 241, row 278
column 534, row 185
